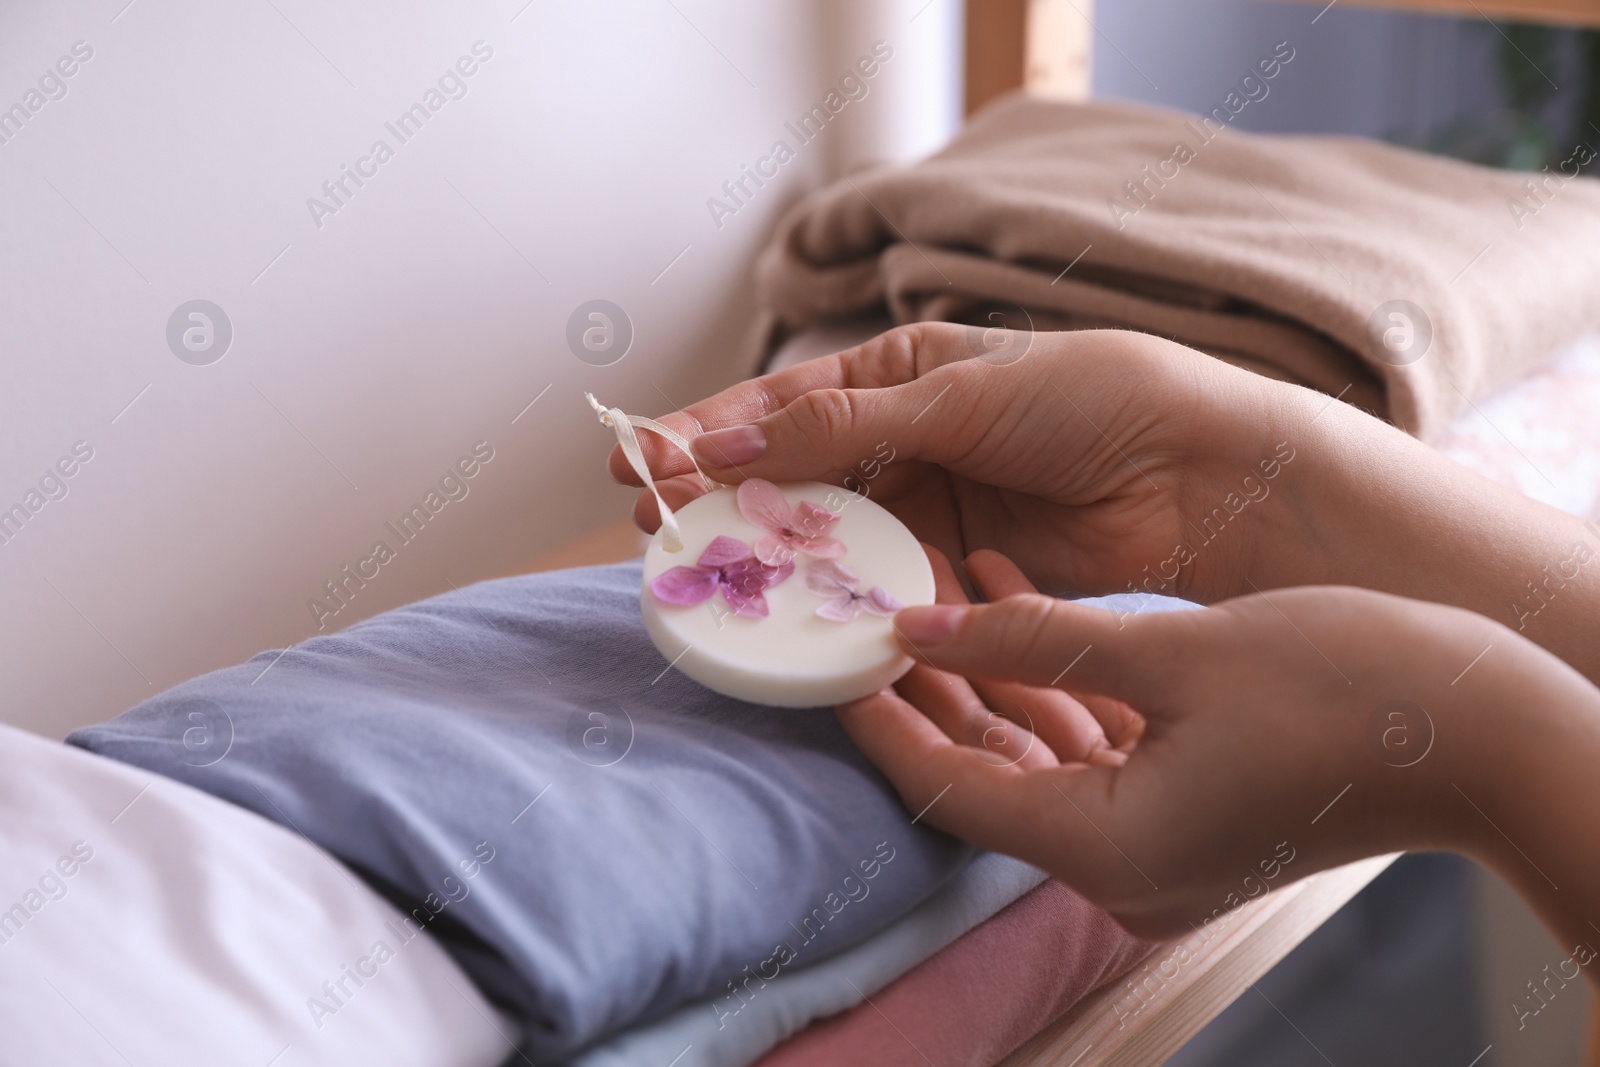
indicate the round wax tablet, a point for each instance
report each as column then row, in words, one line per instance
column 791, row 657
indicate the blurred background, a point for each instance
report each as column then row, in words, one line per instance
column 368, row 318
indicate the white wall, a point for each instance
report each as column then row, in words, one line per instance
column 372, row 352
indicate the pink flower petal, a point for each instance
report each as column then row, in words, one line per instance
column 751, row 604
column 685, row 585
column 881, row 602
column 812, row 521
column 823, row 548
column 828, row 578
column 774, row 551
column 841, row 609
column 723, row 551
column 763, row 504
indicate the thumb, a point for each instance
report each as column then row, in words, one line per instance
column 832, row 431
column 1043, row 641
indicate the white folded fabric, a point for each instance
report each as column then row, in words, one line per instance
column 145, row 922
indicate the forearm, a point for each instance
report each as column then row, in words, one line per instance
column 1374, row 507
column 1526, row 800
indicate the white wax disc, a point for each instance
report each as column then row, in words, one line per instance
column 791, row 657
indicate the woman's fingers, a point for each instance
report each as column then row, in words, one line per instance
column 895, row 358
column 995, row 576
column 1043, row 641
column 948, row 700
column 942, row 782
column 1062, row 723
column 1123, row 726
column 1046, row 817
column 827, row 432
column 675, row 491
column 1076, row 729
column 964, row 713
column 950, row 703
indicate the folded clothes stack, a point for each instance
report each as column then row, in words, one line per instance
column 622, row 861
column 596, row 839
column 1408, row 284
column 976, row 1001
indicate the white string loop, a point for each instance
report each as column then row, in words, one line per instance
column 624, row 426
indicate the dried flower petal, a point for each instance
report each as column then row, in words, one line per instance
column 685, row 585
column 841, row 609
column 763, row 504
column 881, row 601
column 802, row 528
column 724, row 551
column 827, row 578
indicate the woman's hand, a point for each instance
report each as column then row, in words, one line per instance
column 1098, row 461
column 1283, row 734
column 997, row 717
column 1104, row 461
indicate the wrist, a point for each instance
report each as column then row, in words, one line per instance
column 1521, row 794
column 1394, row 515
column 1249, row 516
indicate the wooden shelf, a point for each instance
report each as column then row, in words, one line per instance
column 1113, row 1028
column 1558, row 12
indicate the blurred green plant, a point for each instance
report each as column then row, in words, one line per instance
column 1538, row 124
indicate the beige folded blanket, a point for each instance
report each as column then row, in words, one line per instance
column 1288, row 255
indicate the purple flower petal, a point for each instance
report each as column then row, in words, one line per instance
column 841, row 609
column 748, row 575
column 752, row 604
column 685, row 585
column 723, row 551
column 827, row 578
column 882, row 602
column 779, row 573
column 763, row 504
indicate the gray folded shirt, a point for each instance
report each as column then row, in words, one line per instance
column 595, row 838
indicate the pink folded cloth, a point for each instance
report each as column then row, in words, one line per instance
column 983, row 996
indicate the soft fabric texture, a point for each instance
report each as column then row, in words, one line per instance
column 142, row 921
column 595, row 838
column 982, row 997
column 723, row 1032
column 736, row 1028
column 1272, row 252
column 1525, row 435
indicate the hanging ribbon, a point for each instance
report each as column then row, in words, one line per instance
column 624, row 426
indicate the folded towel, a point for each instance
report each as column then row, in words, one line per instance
column 595, row 838
column 1288, row 255
column 735, row 1029
column 973, row 1003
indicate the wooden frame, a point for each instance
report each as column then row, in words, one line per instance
column 1047, row 46
column 1558, row 12
column 1044, row 46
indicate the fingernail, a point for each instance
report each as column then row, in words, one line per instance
column 731, row 446
column 930, row 625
